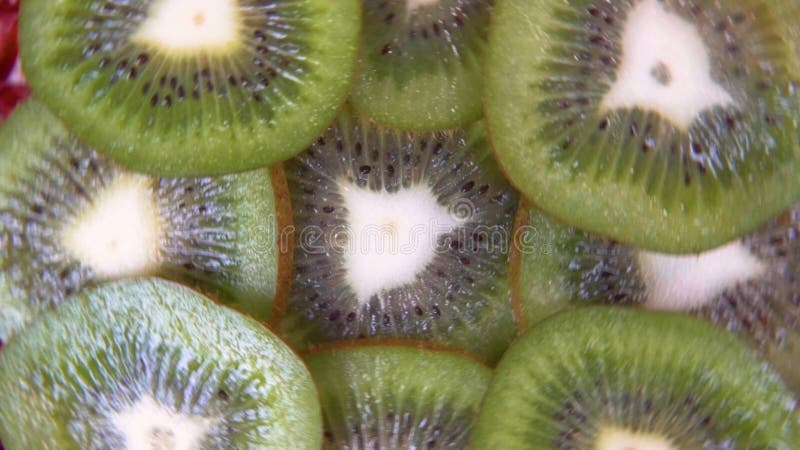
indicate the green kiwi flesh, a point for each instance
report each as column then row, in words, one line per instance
column 458, row 297
column 421, row 63
column 393, row 397
column 671, row 173
column 749, row 286
column 217, row 234
column 152, row 362
column 642, row 376
column 163, row 103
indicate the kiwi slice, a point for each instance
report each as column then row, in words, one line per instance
column 421, row 62
column 395, row 397
column 70, row 218
column 670, row 125
column 152, row 364
column 749, row 286
column 614, row 378
column 400, row 235
column 192, row 87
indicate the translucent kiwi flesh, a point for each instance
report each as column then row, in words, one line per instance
column 70, row 218
column 749, row 286
column 392, row 397
column 421, row 63
column 669, row 125
column 175, row 87
column 400, row 235
column 152, row 364
column 610, row 378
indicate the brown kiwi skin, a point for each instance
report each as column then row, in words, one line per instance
column 515, row 267
column 284, row 241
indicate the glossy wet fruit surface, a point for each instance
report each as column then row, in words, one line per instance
column 399, row 224
column 668, row 125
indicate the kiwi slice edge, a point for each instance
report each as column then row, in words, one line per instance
column 578, row 384
column 633, row 196
column 151, row 338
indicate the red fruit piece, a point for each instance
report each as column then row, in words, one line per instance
column 8, row 43
column 10, row 95
column 9, row 6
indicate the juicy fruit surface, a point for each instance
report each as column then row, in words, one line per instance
column 356, row 195
column 392, row 397
column 673, row 154
column 585, row 373
column 70, row 218
column 421, row 63
column 82, row 373
column 264, row 80
column 749, row 286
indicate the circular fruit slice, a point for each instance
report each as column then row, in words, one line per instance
column 152, row 364
column 401, row 235
column 421, row 62
column 749, row 286
column 671, row 125
column 70, row 218
column 192, row 87
column 608, row 378
column 395, row 397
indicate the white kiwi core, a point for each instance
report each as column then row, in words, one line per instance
column 664, row 68
column 148, row 425
column 685, row 282
column 619, row 439
column 412, row 5
column 191, row 25
column 391, row 236
column 120, row 233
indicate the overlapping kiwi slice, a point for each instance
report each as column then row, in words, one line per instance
column 388, row 397
column 152, row 364
column 422, row 62
column 70, row 218
column 612, row 378
column 400, row 235
column 668, row 124
column 192, row 87
column 750, row 286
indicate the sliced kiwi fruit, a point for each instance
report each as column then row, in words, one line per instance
column 400, row 235
column 616, row 378
column 421, row 62
column 750, row 286
column 71, row 218
column 671, row 125
column 387, row 397
column 192, row 87
column 152, row 364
